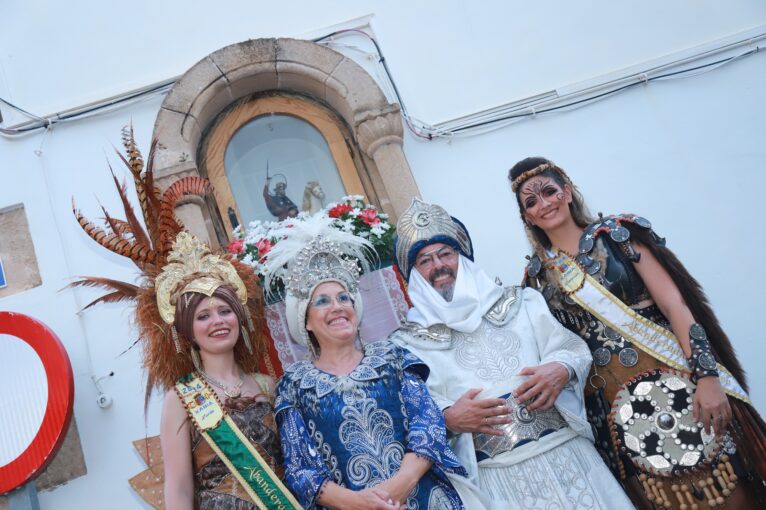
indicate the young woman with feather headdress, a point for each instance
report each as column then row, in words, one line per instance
column 667, row 397
column 200, row 320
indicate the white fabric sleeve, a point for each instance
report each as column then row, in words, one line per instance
column 557, row 344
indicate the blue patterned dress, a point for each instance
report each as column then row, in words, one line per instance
column 354, row 430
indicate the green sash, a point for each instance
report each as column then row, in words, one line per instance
column 655, row 340
column 233, row 448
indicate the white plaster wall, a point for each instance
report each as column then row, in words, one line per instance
column 56, row 54
column 687, row 154
column 69, row 166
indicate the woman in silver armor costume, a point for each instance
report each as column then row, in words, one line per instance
column 666, row 395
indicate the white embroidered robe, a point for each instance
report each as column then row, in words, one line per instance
column 561, row 469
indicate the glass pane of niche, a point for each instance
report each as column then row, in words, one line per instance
column 302, row 175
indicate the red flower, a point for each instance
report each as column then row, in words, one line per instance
column 339, row 210
column 369, row 216
column 236, row 246
column 264, row 246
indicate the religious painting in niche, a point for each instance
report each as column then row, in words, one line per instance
column 278, row 165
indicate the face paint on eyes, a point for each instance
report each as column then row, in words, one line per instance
column 537, row 189
column 322, row 300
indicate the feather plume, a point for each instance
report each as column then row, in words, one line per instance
column 136, row 162
column 130, row 346
column 153, row 201
column 119, row 227
column 121, row 291
column 148, row 248
column 148, row 196
column 114, row 242
column 169, row 225
column 135, row 227
column 112, row 297
column 295, row 236
column 128, row 289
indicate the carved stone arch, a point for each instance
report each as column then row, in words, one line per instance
column 281, row 65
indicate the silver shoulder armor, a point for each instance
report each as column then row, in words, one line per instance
column 500, row 313
column 437, row 334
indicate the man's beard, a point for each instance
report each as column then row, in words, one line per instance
column 447, row 291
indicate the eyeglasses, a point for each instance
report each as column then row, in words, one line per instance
column 323, row 300
column 445, row 254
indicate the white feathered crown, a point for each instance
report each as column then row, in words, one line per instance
column 312, row 251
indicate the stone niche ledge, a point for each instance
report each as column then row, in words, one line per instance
column 17, row 252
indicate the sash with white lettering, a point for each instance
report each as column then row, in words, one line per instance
column 651, row 338
column 233, row 448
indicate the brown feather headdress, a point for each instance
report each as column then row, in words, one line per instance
column 151, row 249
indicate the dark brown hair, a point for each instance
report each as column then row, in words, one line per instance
column 579, row 211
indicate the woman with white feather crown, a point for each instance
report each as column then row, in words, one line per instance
column 357, row 424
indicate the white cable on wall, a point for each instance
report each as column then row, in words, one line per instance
column 675, row 66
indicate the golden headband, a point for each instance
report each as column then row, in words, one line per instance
column 524, row 176
column 192, row 268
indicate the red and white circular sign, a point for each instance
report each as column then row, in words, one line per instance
column 36, row 397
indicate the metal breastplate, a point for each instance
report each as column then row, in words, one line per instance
column 527, row 426
column 620, row 277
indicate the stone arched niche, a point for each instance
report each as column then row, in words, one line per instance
column 281, row 65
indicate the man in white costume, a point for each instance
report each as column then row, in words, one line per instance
column 507, row 376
